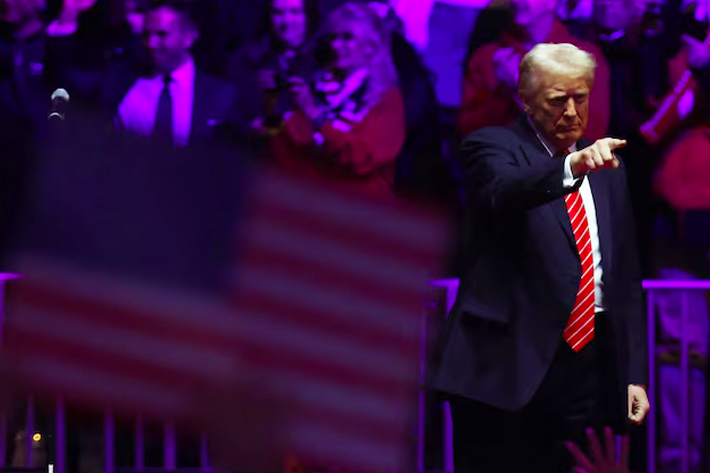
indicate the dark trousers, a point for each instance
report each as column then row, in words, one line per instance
column 573, row 396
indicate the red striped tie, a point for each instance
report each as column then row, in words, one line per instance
column 580, row 326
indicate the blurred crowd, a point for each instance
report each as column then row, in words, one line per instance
column 170, row 98
column 340, row 93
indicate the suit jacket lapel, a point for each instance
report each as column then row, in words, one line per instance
column 559, row 208
column 534, row 151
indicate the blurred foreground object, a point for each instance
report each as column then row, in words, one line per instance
column 612, row 457
column 329, row 292
column 317, row 343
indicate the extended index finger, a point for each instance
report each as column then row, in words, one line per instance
column 615, row 143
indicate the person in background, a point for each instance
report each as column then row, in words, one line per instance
column 635, row 43
column 25, row 76
column 284, row 47
column 134, row 11
column 547, row 336
column 25, row 88
column 421, row 172
column 491, row 78
column 168, row 97
column 491, row 22
column 85, row 39
column 347, row 125
column 683, row 182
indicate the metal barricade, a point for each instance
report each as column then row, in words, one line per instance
column 450, row 286
column 58, row 464
column 651, row 288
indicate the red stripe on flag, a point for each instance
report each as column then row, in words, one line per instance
column 327, row 276
column 358, row 235
column 74, row 310
column 161, row 379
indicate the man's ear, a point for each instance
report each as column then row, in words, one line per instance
column 524, row 102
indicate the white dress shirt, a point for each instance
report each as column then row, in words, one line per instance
column 139, row 107
column 585, row 191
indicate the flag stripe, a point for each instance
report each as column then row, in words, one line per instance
column 266, row 310
column 258, row 341
column 314, row 399
column 323, row 440
column 270, row 310
column 349, row 256
column 286, row 223
column 323, row 312
column 405, row 226
column 132, row 344
column 143, row 369
column 100, row 386
column 341, row 303
column 367, row 278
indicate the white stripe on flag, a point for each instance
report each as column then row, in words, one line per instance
column 342, row 304
column 281, row 240
column 392, row 223
column 288, row 339
column 158, row 349
column 101, row 386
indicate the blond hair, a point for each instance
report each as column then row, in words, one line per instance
column 382, row 73
column 563, row 59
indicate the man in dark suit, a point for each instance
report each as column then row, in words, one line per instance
column 547, row 336
column 167, row 96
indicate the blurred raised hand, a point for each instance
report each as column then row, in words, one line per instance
column 606, row 459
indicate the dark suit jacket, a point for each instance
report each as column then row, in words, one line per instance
column 523, row 272
column 215, row 107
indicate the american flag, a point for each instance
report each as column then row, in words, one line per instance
column 324, row 311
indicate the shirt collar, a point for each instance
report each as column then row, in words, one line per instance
column 183, row 75
column 551, row 150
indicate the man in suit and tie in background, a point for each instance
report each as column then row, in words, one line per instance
column 168, row 96
column 547, row 336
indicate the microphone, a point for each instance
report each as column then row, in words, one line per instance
column 60, row 101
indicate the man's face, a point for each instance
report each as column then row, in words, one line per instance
column 560, row 108
column 17, row 12
column 167, row 39
column 527, row 12
column 288, row 19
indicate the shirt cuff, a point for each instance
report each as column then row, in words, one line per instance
column 569, row 180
